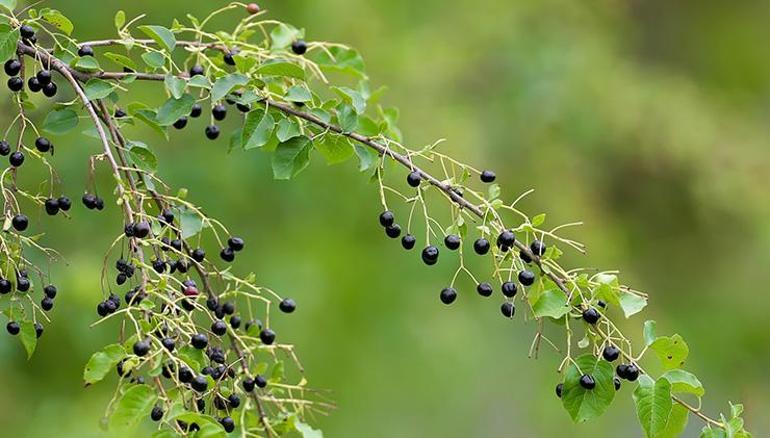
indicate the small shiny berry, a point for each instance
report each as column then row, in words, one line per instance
column 509, row 289
column 85, row 50
column 180, row 123
column 408, row 241
column 537, row 247
column 527, row 278
column 198, row 254
column 20, row 222
column 452, row 242
column 168, row 344
column 51, row 206
column 159, row 266
column 559, row 389
column 484, row 289
column 632, row 373
column 248, row 384
column 448, row 295
column 236, row 243
column 287, row 305
column 386, row 218
column 142, row 229
column 64, row 203
column 413, row 179
column 393, row 231
column 299, row 47
column 196, row 70
column 488, row 176
column 228, row 58
column 50, row 291
column 591, row 315
column 212, row 132
column 228, row 424
column 267, row 336
column 34, row 85
column 219, row 328
column 227, row 254
column 27, row 31
column 199, row 383
column 50, row 89
column 611, row 353
column 12, row 67
column 46, row 303
column 119, row 113
column 616, row 382
column 199, row 341
column 196, row 111
column 235, row 322
column 219, row 112
column 23, row 284
column 5, row 286
column 13, row 328
column 5, row 148
column 481, row 246
column 38, row 330
column 141, row 348
column 430, row 255
column 506, row 238
column 185, row 375
column 507, row 309
column 44, row 76
column 156, row 414
column 587, row 381
column 228, row 308
column 260, row 381
column 15, row 84
column 252, row 8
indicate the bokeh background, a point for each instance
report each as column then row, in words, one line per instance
column 648, row 120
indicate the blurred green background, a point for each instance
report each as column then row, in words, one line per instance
column 646, row 119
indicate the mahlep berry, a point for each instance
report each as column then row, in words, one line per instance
column 386, row 218
column 199, row 341
column 481, row 246
column 219, row 112
column 448, row 295
column 267, row 336
column 46, row 303
column 616, row 382
column 452, row 242
column 13, row 328
column 537, row 247
column 196, row 70
column 559, row 389
column 16, row 159
column 506, row 239
column 141, row 348
column 196, row 111
column 393, row 231
column 287, row 305
column 299, row 47
column 236, row 243
column 85, row 50
column 12, row 67
column 228, row 424
column 199, row 383
column 50, row 89
column 413, row 179
column 156, row 414
column 227, row 254
column 527, row 278
column 509, row 289
column 484, row 289
column 591, row 315
column 252, row 8
column 219, row 328
column 180, row 123
column 507, row 309
column 430, row 255
column 408, row 241
column 260, row 381
column 20, row 222
column 488, row 176
column 64, row 203
column 587, row 381
column 5, row 148
column 34, row 85
column 212, row 132
column 51, row 206
column 15, row 84
column 611, row 353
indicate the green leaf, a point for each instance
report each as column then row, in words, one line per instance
column 340, row 59
column 224, row 85
column 58, row 20
column 161, row 35
column 134, row 406
column 352, row 97
column 102, row 362
column 649, row 332
column 347, row 117
column 154, row 59
column 291, row 157
column 584, row 404
column 298, row 93
column 121, row 60
column 683, row 381
column 307, row 431
column 142, row 157
column 672, row 351
column 10, row 5
column 631, row 303
column 677, row 422
column 551, row 303
column 175, row 86
column 61, row 121
column 538, row 220
column 283, row 35
column 334, row 148
column 653, row 404
column 367, row 157
column 97, row 89
column 87, row 64
column 281, row 68
column 174, row 109
column 120, row 19
column 287, row 128
column 190, row 222
column 28, row 337
column 257, row 129
column 9, row 38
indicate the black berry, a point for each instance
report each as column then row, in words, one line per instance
column 200, row 341
column 27, row 31
column 616, row 382
column 196, row 111
column 50, row 291
column 156, row 414
column 559, row 389
column 260, row 381
column 408, row 241
column 64, row 203
column 481, row 246
column 228, row 58
column 506, row 238
column 13, row 327
column 248, row 384
column 198, row 254
column 413, row 179
column 287, row 305
column 537, row 247
column 227, row 254
column 386, row 218
column 235, row 243
column 509, row 289
column 212, row 132
column 141, row 348
column 452, row 242
column 50, row 89
column 12, row 67
column 5, row 148
column 488, row 176
column 484, row 289
column 228, row 424
column 196, row 70
column 448, row 295
column 185, row 375
column 168, row 344
column 507, row 309
column 23, row 284
column 51, row 206
column 20, row 222
column 15, row 84
column 219, row 328
column 527, row 278
column 219, row 112
column 199, row 383
column 5, row 286
column 34, row 85
column 267, row 336
column 299, row 47
column 591, row 315
column 611, row 353
column 85, row 50
column 587, row 381
column 46, row 303
column 180, row 123
column 430, row 255
column 393, row 231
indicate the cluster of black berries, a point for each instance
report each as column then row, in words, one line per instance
column 54, row 205
column 125, row 269
column 234, row 244
column 23, row 285
column 610, row 353
column 14, row 328
column 110, row 305
column 93, row 202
